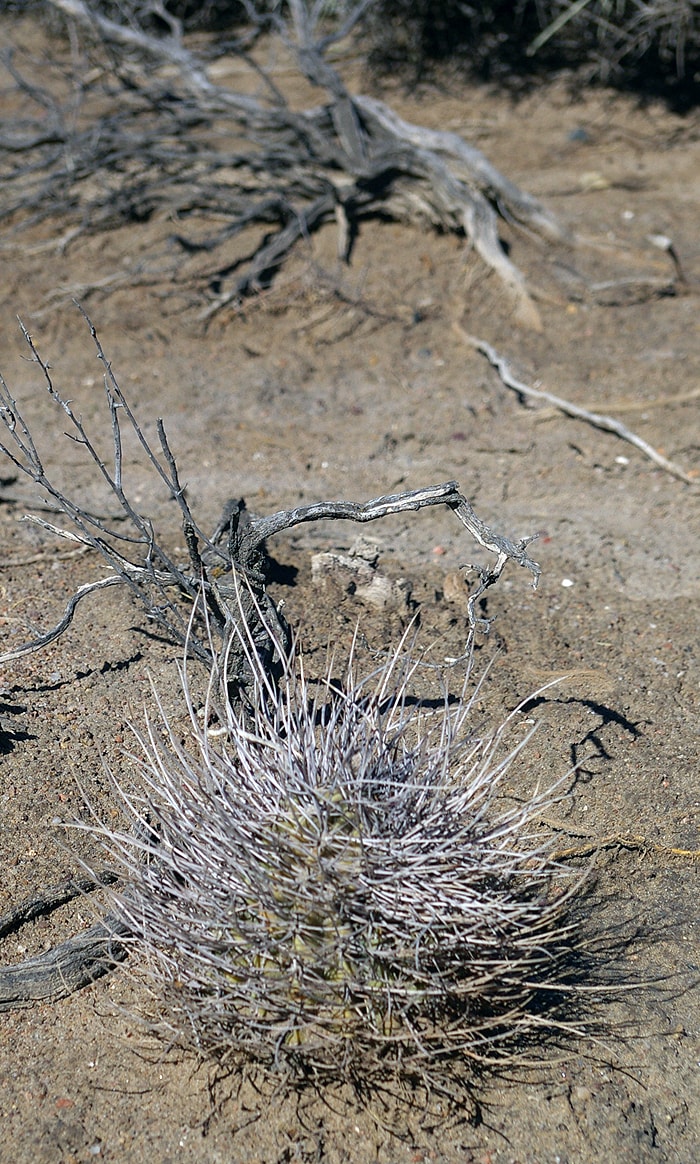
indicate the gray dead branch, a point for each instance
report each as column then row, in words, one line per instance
column 596, row 419
column 147, row 133
column 71, row 965
column 59, row 972
column 197, row 605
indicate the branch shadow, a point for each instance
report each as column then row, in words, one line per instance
column 607, row 716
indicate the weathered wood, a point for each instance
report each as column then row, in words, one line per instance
column 69, row 967
column 349, row 157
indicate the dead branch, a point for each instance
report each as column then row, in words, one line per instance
column 227, row 570
column 68, row 967
column 598, row 420
column 62, row 625
column 155, row 146
column 624, row 404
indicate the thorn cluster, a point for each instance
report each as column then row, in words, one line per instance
column 335, row 882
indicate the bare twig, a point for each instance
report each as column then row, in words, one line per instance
column 622, row 841
column 156, row 570
column 74, row 963
column 50, row 636
column 236, row 548
column 626, row 405
column 607, row 423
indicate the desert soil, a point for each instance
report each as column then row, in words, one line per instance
column 353, row 383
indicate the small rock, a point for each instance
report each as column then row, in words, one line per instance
column 359, row 577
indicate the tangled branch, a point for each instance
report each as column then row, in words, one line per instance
column 149, row 133
column 227, row 570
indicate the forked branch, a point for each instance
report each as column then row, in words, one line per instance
column 228, row 571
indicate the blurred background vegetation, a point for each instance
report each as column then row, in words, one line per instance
column 652, row 46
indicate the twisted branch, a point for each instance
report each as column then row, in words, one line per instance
column 160, row 144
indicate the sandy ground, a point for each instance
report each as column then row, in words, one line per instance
column 310, row 395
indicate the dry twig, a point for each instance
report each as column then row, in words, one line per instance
column 607, row 423
column 623, row 841
column 235, row 552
